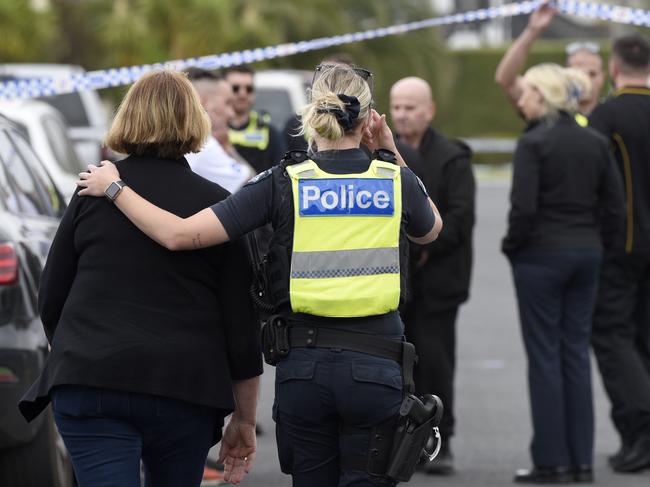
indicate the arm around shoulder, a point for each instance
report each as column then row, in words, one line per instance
column 171, row 231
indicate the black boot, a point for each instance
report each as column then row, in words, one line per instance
column 615, row 459
column 584, row 474
column 636, row 458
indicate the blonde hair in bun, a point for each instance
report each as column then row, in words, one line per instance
column 317, row 118
column 562, row 88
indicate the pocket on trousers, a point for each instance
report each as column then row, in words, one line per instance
column 376, row 374
column 76, row 401
column 288, row 370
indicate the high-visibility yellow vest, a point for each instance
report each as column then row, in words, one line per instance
column 581, row 120
column 255, row 135
column 345, row 258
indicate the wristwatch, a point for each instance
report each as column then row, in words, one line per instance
column 114, row 189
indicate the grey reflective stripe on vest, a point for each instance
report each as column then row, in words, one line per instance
column 344, row 263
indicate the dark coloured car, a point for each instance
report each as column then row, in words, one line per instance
column 31, row 454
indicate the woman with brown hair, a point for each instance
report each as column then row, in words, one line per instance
column 150, row 349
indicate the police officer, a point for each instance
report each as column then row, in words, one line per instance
column 337, row 263
column 251, row 132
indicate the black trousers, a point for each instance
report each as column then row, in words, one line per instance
column 434, row 337
column 621, row 341
column 556, row 291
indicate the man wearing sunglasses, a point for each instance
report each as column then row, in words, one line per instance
column 584, row 56
column 251, row 133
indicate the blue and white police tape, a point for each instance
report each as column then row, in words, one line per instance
column 106, row 78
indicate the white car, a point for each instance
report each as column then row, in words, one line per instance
column 47, row 133
column 281, row 93
column 83, row 111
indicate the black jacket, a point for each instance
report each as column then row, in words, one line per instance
column 565, row 190
column 122, row 312
column 441, row 270
column 625, row 120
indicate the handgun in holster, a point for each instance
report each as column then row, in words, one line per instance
column 418, row 417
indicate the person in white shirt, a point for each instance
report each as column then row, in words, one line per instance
column 214, row 162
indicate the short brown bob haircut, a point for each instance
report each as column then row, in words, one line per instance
column 160, row 116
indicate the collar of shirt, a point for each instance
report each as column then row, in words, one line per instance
column 342, row 161
column 147, row 157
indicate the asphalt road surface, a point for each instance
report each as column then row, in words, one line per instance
column 493, row 423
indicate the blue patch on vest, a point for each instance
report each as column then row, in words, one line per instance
column 352, row 197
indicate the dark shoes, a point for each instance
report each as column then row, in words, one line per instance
column 555, row 475
column 443, row 464
column 634, row 458
column 544, row 475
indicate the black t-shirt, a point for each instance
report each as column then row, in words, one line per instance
column 251, row 207
column 625, row 120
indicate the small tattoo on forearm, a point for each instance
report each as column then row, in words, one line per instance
column 196, row 241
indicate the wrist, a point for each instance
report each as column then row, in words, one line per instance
column 240, row 417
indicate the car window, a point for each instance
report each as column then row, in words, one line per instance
column 60, row 144
column 71, row 107
column 29, row 193
column 276, row 102
column 44, row 182
column 7, row 196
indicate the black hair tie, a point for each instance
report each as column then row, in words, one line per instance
column 345, row 117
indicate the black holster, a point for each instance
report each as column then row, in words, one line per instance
column 275, row 339
column 418, row 416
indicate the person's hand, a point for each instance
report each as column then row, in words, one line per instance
column 95, row 181
column 378, row 134
column 541, row 18
column 238, row 447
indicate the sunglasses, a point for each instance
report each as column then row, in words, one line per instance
column 247, row 88
column 574, row 47
column 363, row 73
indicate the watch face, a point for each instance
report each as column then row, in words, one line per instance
column 112, row 190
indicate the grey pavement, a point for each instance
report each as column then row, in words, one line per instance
column 493, row 424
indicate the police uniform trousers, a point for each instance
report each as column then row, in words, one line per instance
column 434, row 335
column 621, row 341
column 326, row 403
column 556, row 291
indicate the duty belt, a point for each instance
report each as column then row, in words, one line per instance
column 401, row 352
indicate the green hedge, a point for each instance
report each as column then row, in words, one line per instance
column 470, row 103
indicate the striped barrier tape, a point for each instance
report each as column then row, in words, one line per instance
column 106, row 78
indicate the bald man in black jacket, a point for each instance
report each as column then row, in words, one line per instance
column 440, row 272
